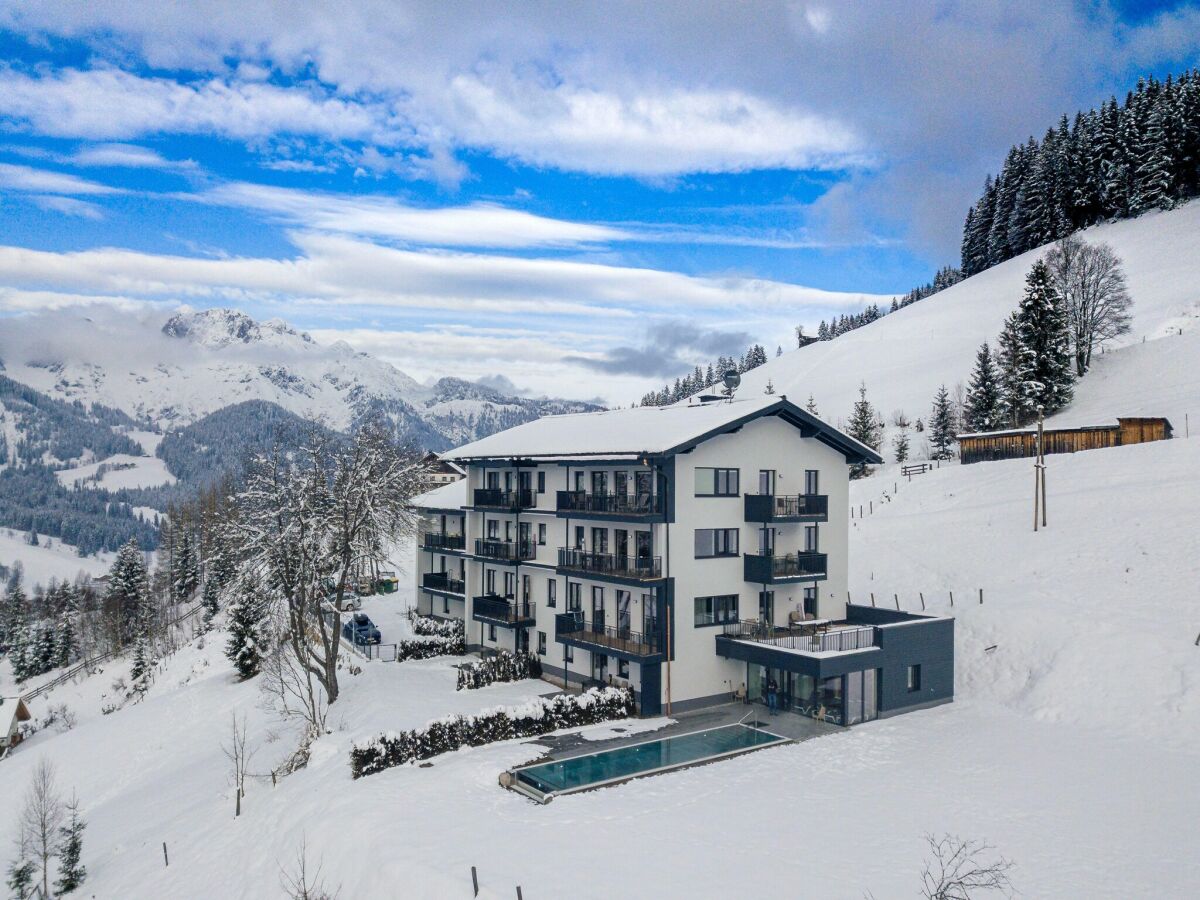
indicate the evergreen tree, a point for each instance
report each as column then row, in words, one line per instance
column 941, row 426
column 811, row 407
column 900, row 446
column 1045, row 370
column 770, row 388
column 12, row 615
column 1009, row 362
column 210, row 601
column 864, row 427
column 71, row 870
column 985, row 404
column 128, row 588
column 20, row 878
column 185, row 569
column 247, row 644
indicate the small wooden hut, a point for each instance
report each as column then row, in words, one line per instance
column 13, row 712
column 1020, row 442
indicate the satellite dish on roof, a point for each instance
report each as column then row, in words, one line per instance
column 731, row 380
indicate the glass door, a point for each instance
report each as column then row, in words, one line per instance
column 621, row 542
column 643, row 543
column 766, row 481
column 649, row 614
column 597, row 608
column 620, row 483
column 624, row 614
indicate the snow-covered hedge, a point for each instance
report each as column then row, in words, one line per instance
column 504, row 666
column 431, row 627
column 427, row 649
column 504, row 723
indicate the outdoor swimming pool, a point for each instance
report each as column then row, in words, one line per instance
column 545, row 780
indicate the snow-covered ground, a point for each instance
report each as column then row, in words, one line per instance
column 122, row 471
column 1072, row 746
column 58, row 560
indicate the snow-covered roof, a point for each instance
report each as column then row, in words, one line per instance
column 12, row 711
column 649, row 430
column 448, row 496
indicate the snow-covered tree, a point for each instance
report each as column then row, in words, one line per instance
column 811, row 407
column 941, row 427
column 20, row 878
column 900, row 445
column 249, row 641
column 210, row 600
column 865, row 428
column 185, row 568
column 1091, row 282
column 1044, row 367
column 128, row 591
column 984, row 407
column 71, row 870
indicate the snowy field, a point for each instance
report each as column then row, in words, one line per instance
column 41, row 563
column 123, row 470
column 1072, row 746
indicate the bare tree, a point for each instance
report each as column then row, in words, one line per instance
column 899, row 419
column 960, row 870
column 41, row 818
column 1091, row 282
column 239, row 754
column 299, row 885
column 308, row 521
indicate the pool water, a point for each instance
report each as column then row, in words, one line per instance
column 580, row 772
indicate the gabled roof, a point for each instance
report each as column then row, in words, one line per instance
column 449, row 496
column 12, row 711
column 650, row 431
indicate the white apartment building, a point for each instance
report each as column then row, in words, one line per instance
column 690, row 552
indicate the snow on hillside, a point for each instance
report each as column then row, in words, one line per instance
column 904, row 357
column 59, row 561
column 120, row 471
column 1072, row 746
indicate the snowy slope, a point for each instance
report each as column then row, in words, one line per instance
column 904, row 357
column 58, row 561
column 1072, row 746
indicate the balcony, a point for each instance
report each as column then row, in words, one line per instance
column 496, row 610
column 766, row 568
column 512, row 501
column 610, row 506
column 438, row 542
column 571, row 628
column 609, row 566
column 505, row 551
column 794, row 508
column 443, row 583
column 827, row 638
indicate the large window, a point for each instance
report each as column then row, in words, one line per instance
column 914, row 679
column 551, row 593
column 716, row 610
column 811, row 541
column 541, row 643
column 812, row 481
column 716, row 542
column 716, row 482
column 574, row 596
column 541, row 482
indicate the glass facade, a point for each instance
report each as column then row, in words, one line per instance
column 840, row 700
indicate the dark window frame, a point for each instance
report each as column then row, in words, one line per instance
column 720, row 472
column 722, row 610
column 913, row 678
column 541, row 644
column 541, row 482
column 719, row 542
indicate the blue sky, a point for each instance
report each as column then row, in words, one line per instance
column 534, row 190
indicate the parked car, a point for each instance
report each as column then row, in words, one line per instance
column 361, row 630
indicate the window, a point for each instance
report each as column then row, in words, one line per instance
column 810, row 599
column 510, row 584
column 914, row 679
column 574, row 596
column 525, row 588
column 766, row 606
column 446, row 605
column 716, row 542
column 568, row 653
column 811, row 543
column 716, row 610
column 551, row 593
column 579, row 533
column 491, row 632
column 812, row 481
column 622, row 668
column 716, row 482
column 489, row 581
column 541, row 482
column 542, row 533
column 541, row 643
column 493, row 529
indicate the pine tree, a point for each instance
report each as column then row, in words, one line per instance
column 900, row 446
column 20, row 878
column 71, row 871
column 247, row 644
column 770, row 388
column 984, row 407
column 941, row 426
column 185, row 569
column 1044, row 370
column 128, row 587
column 811, row 407
column 12, row 616
column 210, row 601
column 1009, row 362
column 864, row 427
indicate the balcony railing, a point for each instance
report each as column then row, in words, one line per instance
column 435, row 540
column 493, row 608
column 443, row 581
column 494, row 498
column 766, row 568
column 613, row 637
column 837, row 640
column 508, row 551
column 796, row 507
column 611, row 504
column 591, row 563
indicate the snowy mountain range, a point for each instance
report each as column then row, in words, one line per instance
column 168, row 371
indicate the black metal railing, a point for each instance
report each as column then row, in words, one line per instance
column 495, row 608
column 640, row 504
column 505, row 550
column 435, row 540
column 770, row 507
column 836, row 640
column 589, row 562
column 614, row 637
column 443, row 581
column 766, row 567
column 494, row 498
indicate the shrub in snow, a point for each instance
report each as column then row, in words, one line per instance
column 438, row 646
column 540, row 716
column 504, row 666
column 431, row 627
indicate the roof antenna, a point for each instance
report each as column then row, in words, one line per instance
column 731, row 380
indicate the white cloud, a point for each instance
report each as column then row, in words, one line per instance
column 44, row 181
column 476, row 225
column 127, row 156
column 69, row 206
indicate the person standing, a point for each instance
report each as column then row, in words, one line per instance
column 772, row 695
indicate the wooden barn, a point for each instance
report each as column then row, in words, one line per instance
column 990, row 445
column 13, row 712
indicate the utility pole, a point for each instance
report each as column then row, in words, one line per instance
column 1039, row 474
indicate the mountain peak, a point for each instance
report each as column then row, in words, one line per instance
column 222, row 327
